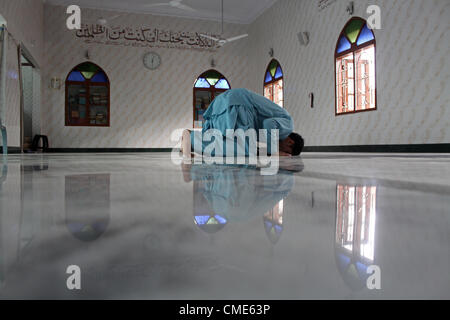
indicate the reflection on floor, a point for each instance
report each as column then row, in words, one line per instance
column 140, row 226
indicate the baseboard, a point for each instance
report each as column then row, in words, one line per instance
column 384, row 148
column 106, row 150
column 11, row 150
column 381, row 148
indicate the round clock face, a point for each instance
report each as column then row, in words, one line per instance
column 152, row 60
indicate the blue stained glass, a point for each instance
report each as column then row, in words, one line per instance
column 202, row 83
column 278, row 228
column 365, row 36
column 76, row 76
column 343, row 45
column 344, row 261
column 278, row 73
column 362, row 270
column 268, row 77
column 99, row 77
column 268, row 224
column 201, row 220
column 221, row 220
column 75, row 226
column 222, row 84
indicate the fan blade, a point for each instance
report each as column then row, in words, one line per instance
column 184, row 7
column 237, row 38
column 114, row 17
column 150, row 5
column 209, row 37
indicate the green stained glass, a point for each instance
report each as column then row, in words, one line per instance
column 212, row 81
column 353, row 28
column 212, row 220
column 88, row 75
column 273, row 67
column 87, row 66
column 212, row 77
column 352, row 271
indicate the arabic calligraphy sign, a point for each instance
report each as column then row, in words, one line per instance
column 144, row 37
column 323, row 4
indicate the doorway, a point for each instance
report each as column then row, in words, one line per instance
column 30, row 99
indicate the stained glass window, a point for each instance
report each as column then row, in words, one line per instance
column 273, row 222
column 202, row 83
column 87, row 96
column 355, row 68
column 208, row 85
column 352, row 29
column 99, row 77
column 222, row 84
column 273, row 83
column 76, row 76
column 355, row 232
column 365, row 35
column 343, row 45
column 268, row 77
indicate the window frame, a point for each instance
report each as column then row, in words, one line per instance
column 353, row 49
column 273, row 81
column 212, row 90
column 87, row 84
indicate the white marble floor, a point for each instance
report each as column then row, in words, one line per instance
column 140, row 226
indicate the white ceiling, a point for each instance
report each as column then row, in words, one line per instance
column 235, row 11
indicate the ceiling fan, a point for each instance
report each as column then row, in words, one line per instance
column 102, row 21
column 174, row 4
column 222, row 41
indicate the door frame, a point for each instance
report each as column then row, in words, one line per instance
column 23, row 51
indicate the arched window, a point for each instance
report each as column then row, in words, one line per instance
column 355, row 68
column 87, row 96
column 209, row 85
column 273, row 83
column 273, row 222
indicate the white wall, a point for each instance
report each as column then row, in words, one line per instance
column 25, row 23
column 146, row 106
column 413, row 72
column 412, row 75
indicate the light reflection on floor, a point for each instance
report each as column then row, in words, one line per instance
column 140, row 226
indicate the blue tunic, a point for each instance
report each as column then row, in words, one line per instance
column 243, row 109
column 238, row 193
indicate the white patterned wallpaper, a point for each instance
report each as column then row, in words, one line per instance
column 145, row 105
column 25, row 23
column 412, row 73
column 412, row 62
column 37, row 100
column 12, row 114
column 27, row 82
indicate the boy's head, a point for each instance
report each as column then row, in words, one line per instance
column 293, row 144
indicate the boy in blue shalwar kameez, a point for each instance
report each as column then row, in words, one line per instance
column 242, row 109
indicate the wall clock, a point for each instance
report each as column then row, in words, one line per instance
column 152, row 60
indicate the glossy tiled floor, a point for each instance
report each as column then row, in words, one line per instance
column 140, row 226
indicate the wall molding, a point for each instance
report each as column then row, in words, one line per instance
column 11, row 150
column 108, row 150
column 384, row 148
